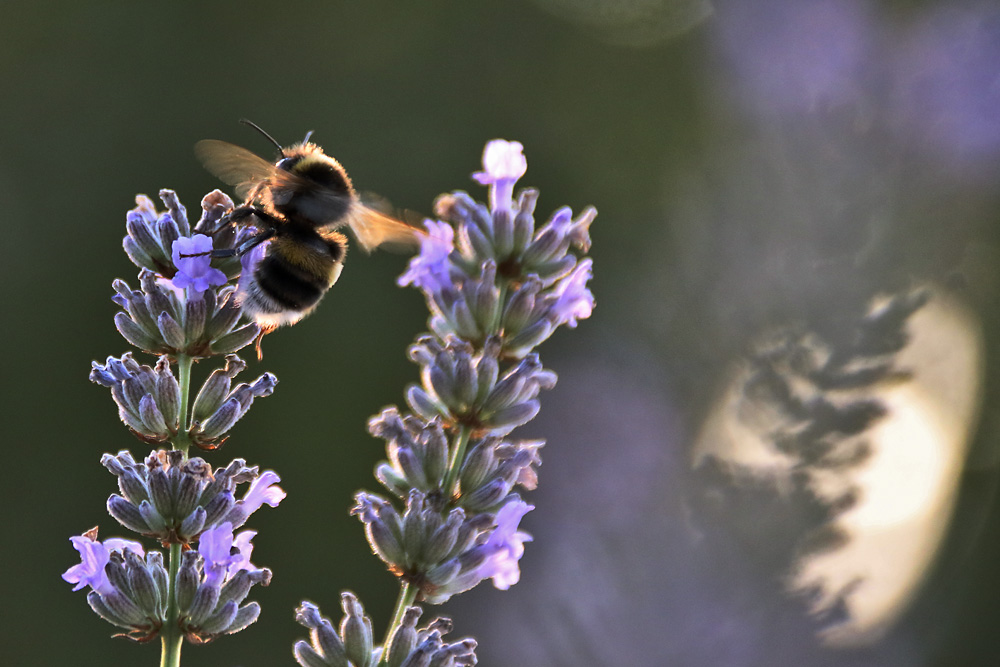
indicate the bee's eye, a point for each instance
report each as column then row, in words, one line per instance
column 287, row 163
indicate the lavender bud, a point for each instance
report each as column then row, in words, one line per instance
column 127, row 515
column 478, row 466
column 176, row 209
column 152, row 418
column 220, row 619
column 188, row 578
column 395, row 482
column 404, row 639
column 222, row 420
column 136, row 335
column 144, row 589
column 503, row 233
column 168, row 393
column 216, row 388
column 356, row 631
column 195, row 317
column 235, row 340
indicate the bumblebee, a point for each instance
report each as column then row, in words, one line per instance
column 295, row 207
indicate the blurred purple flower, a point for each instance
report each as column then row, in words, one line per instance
column 94, row 556
column 949, row 80
column 573, row 301
column 429, row 270
column 195, row 273
column 792, row 55
column 505, row 546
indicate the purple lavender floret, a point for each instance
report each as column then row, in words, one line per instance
column 94, row 556
column 192, row 257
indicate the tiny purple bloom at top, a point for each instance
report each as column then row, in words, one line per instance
column 503, row 164
column 428, row 270
column 195, row 273
column 94, row 556
column 573, row 300
column 502, row 161
column 506, row 544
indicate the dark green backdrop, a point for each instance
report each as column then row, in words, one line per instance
column 103, row 100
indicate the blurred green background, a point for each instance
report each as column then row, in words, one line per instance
column 753, row 164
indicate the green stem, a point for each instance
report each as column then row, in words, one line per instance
column 457, row 457
column 182, row 441
column 407, row 596
column 170, row 634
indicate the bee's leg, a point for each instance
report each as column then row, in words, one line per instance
column 247, row 245
column 260, row 339
column 221, row 224
column 239, row 250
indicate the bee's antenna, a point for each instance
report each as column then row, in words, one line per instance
column 269, row 137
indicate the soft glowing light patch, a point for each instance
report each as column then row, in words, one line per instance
column 906, row 487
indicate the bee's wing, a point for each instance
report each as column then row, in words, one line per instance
column 374, row 230
column 239, row 167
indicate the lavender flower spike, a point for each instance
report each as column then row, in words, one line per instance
column 496, row 286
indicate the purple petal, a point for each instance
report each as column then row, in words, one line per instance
column 261, row 491
column 573, row 300
column 94, row 556
column 195, row 273
column 428, row 270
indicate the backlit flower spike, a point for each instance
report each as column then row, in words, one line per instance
column 496, row 286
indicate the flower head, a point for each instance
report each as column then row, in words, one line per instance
column 192, row 257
